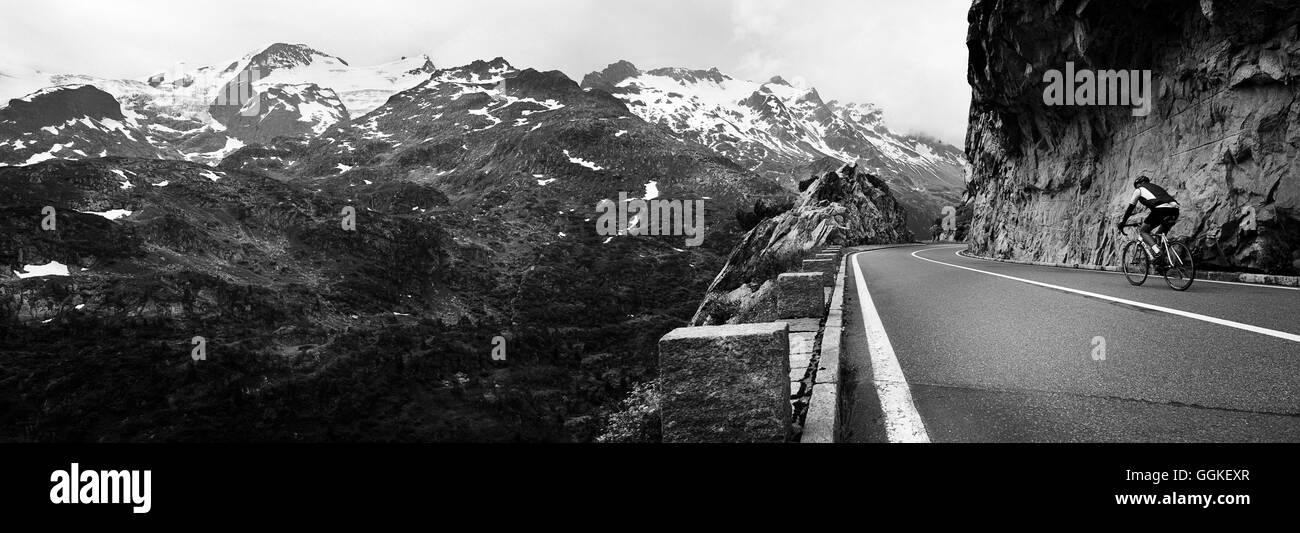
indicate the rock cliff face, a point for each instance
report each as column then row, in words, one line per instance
column 844, row 207
column 1050, row 181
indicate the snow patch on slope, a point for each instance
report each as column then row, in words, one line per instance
column 53, row 268
column 111, row 214
column 582, row 162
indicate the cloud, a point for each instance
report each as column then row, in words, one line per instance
column 757, row 18
column 758, row 65
column 907, row 57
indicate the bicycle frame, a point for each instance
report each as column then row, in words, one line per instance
column 1182, row 266
column 1162, row 241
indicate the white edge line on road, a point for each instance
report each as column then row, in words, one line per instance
column 902, row 422
column 1199, row 280
column 1195, row 316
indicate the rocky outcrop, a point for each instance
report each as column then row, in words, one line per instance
column 607, row 80
column 282, row 111
column 844, row 207
column 59, row 104
column 1049, row 182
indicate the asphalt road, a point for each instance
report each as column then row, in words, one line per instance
column 991, row 359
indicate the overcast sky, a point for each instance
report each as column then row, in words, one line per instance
column 908, row 56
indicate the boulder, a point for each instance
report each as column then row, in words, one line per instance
column 844, row 207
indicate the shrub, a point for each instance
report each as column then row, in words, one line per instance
column 638, row 420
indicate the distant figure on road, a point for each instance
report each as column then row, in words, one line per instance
column 936, row 230
column 1164, row 212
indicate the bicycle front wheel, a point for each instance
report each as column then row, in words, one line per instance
column 1135, row 264
column 1182, row 268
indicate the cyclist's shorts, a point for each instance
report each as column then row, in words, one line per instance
column 1161, row 217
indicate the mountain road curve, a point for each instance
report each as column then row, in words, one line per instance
column 946, row 348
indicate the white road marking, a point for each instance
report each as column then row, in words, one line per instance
column 1198, row 280
column 902, row 422
column 1195, row 316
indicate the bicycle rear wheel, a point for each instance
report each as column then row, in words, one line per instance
column 1182, row 268
column 1135, row 264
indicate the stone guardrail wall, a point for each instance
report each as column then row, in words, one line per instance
column 767, row 382
column 779, row 381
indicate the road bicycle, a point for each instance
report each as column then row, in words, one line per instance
column 1177, row 265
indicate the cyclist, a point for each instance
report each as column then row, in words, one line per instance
column 1163, row 215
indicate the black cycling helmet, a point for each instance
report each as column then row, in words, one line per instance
column 1140, row 180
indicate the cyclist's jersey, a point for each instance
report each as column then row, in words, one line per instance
column 1153, row 197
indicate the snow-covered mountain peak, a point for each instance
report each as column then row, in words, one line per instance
column 868, row 115
column 360, row 88
column 206, row 112
column 778, row 80
column 281, row 55
column 781, row 125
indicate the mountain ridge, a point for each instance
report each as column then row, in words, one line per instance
column 183, row 116
column 776, row 127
